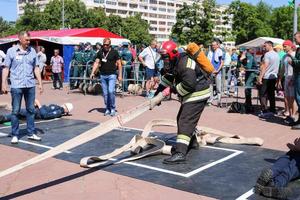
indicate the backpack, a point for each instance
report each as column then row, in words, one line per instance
column 237, row 107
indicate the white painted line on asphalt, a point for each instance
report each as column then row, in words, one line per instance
column 189, row 174
column 3, row 134
column 150, row 167
column 246, row 195
column 40, row 145
column 38, row 122
column 220, row 148
column 212, row 164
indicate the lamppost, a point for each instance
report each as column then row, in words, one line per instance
column 63, row 14
column 295, row 27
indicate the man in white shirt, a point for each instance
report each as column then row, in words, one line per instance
column 42, row 59
column 267, row 80
column 148, row 57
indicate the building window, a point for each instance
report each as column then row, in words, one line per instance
column 133, row 5
column 152, row 8
column 162, row 3
column 153, row 2
column 111, row 2
column 122, row 4
column 162, row 9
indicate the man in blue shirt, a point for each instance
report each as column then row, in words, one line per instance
column 216, row 56
column 21, row 62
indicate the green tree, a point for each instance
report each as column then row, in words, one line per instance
column 75, row 14
column 96, row 17
column 31, row 20
column 78, row 16
column 194, row 24
column 282, row 22
column 136, row 30
column 264, row 15
column 249, row 21
column 115, row 24
column 5, row 27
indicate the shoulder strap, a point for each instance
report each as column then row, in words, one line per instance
column 205, row 74
column 152, row 55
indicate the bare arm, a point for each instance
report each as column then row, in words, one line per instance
column 295, row 146
column 263, row 69
column 141, row 59
column 4, row 79
column 119, row 65
column 37, row 73
column 37, row 103
column 95, row 66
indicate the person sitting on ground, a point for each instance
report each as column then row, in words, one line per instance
column 45, row 112
column 273, row 181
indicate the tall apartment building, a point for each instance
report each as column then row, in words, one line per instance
column 223, row 24
column 160, row 14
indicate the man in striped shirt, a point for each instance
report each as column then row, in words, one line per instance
column 57, row 63
column 21, row 62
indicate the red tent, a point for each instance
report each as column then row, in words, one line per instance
column 71, row 36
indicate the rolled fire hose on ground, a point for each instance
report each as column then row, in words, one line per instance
column 139, row 143
column 91, row 134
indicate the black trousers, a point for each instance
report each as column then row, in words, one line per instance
column 250, row 78
column 187, row 119
column 57, row 78
column 267, row 92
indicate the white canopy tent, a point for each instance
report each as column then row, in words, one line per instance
column 258, row 42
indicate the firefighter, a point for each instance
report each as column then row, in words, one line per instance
column 76, row 69
column 89, row 57
column 183, row 76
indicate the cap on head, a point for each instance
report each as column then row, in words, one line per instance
column 242, row 49
column 170, row 48
column 69, row 107
column 288, row 43
column 87, row 44
column 125, row 43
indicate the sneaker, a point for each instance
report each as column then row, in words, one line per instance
column 2, row 119
column 265, row 114
column 14, row 140
column 34, row 137
column 296, row 127
column 263, row 180
column 276, row 192
column 107, row 112
column 113, row 113
column 289, row 120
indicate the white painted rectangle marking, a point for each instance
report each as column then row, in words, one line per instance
column 40, row 145
column 246, row 195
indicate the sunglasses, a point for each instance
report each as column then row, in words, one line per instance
column 106, row 44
